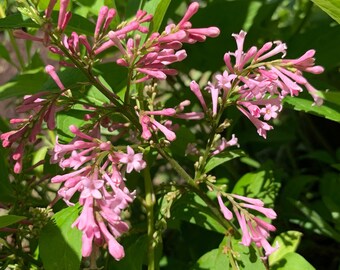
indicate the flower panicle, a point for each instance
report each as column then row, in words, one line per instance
column 254, row 230
column 101, row 186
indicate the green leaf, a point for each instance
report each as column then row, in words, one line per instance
column 288, row 242
column 59, row 243
column 184, row 136
column 77, row 24
column 134, row 256
column 319, row 223
column 65, row 120
column 213, row 260
column 261, row 185
column 220, row 259
column 39, row 155
column 191, row 208
column 9, row 220
column 330, row 185
column 16, row 21
column 327, row 110
column 246, row 257
column 28, row 82
column 6, row 190
column 159, row 13
column 331, row 7
column 222, row 158
column 331, row 96
column 4, row 53
column 292, row 261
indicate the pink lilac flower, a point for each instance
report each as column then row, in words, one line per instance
column 225, row 211
column 133, row 161
column 258, row 85
column 43, row 108
column 224, row 144
column 149, row 123
column 101, row 186
column 253, row 228
column 161, row 49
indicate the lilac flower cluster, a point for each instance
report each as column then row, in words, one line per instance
column 255, row 84
column 258, row 84
column 44, row 110
column 253, row 228
column 98, row 175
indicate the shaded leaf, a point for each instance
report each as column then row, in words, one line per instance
column 192, row 208
column 222, row 158
column 4, row 53
column 6, row 190
column 28, row 82
column 320, row 224
column 9, row 220
column 16, row 21
column 134, row 256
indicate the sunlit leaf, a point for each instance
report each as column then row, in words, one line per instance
column 59, row 243
column 327, row 110
column 222, row 158
column 292, row 261
column 331, row 7
column 287, row 242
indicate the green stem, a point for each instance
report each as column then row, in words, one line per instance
column 210, row 143
column 128, row 86
column 195, row 188
column 149, row 205
column 17, row 51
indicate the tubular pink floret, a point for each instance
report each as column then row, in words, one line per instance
column 23, row 35
column 83, row 40
column 178, row 36
column 110, row 15
column 170, row 135
column 197, row 91
column 249, row 200
column 209, row 31
column 166, row 112
column 280, row 48
column 114, row 38
column 80, row 134
column 225, row 211
column 66, row 20
column 227, row 62
column 101, row 17
column 51, row 71
column 191, row 11
column 153, row 73
column 62, row 14
column 49, row 9
column 132, row 26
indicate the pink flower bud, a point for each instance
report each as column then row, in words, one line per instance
column 62, row 14
column 191, row 11
column 101, row 17
column 51, row 71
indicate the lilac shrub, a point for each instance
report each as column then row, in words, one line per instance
column 95, row 167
